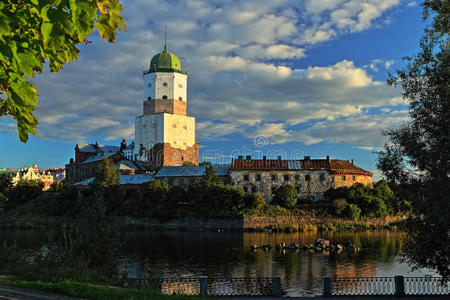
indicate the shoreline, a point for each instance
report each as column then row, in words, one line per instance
column 280, row 223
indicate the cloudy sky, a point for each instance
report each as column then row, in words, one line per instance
column 276, row 77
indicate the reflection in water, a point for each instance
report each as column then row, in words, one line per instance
column 228, row 254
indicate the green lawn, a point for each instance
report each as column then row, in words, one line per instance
column 90, row 291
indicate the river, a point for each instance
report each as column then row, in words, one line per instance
column 228, row 254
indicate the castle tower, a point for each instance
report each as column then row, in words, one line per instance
column 164, row 134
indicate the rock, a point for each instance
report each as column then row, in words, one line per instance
column 266, row 247
column 352, row 248
column 307, row 247
column 294, row 245
column 322, row 243
column 338, row 247
column 253, row 247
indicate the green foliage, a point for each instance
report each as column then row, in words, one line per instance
column 56, row 186
column 254, row 201
column 107, row 175
column 33, row 33
column 5, row 182
column 3, row 199
column 338, row 206
column 417, row 154
column 210, row 177
column 286, row 196
column 90, row 242
column 23, row 192
column 352, row 211
column 94, row 292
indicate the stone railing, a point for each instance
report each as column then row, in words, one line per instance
column 378, row 286
column 204, row 286
column 271, row 286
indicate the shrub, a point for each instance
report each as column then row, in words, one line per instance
column 23, row 192
column 338, row 206
column 286, row 196
column 254, row 201
column 352, row 211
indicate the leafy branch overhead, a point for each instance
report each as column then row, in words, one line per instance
column 33, row 33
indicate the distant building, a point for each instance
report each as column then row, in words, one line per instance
column 33, row 173
column 310, row 177
column 89, row 156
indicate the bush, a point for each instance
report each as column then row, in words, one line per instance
column 254, row 201
column 24, row 192
column 352, row 211
column 286, row 196
column 338, row 206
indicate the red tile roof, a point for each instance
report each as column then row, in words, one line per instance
column 259, row 164
column 335, row 166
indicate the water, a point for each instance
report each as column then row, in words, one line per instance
column 228, row 254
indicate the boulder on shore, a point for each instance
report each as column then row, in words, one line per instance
column 322, row 243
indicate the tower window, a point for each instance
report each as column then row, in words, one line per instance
column 307, row 178
column 180, row 85
column 343, row 177
column 180, row 98
column 273, row 177
column 353, row 177
column 246, row 177
column 297, row 177
column 149, row 98
column 164, row 97
column 149, row 85
column 164, row 83
column 258, row 177
column 322, row 177
column 286, row 177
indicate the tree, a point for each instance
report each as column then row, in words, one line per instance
column 417, row 154
column 5, row 182
column 286, row 196
column 107, row 175
column 34, row 33
column 210, row 178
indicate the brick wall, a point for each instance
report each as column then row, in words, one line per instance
column 172, row 106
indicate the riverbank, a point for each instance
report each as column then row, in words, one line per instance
column 275, row 223
column 72, row 290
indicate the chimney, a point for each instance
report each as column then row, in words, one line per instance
column 307, row 158
column 279, row 157
column 352, row 161
column 264, row 158
column 97, row 145
column 248, row 157
column 71, row 160
column 123, row 145
column 240, row 157
column 328, row 158
column 232, row 161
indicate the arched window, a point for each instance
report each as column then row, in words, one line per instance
column 180, row 98
column 164, row 83
column 149, row 98
column 164, row 97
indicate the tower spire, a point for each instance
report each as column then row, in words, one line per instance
column 165, row 39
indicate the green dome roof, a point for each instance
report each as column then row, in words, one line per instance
column 165, row 62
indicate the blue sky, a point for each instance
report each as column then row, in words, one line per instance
column 279, row 77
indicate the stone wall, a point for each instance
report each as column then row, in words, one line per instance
column 172, row 106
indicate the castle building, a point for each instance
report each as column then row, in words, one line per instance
column 310, row 177
column 164, row 133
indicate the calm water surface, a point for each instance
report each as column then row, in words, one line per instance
column 228, row 254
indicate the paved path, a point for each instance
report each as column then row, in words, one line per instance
column 18, row 293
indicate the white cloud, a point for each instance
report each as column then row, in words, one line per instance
column 367, row 148
column 231, row 51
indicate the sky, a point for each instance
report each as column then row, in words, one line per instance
column 279, row 77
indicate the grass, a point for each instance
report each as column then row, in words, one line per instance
column 91, row 291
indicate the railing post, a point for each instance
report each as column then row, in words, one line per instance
column 326, row 286
column 203, row 286
column 399, row 285
column 276, row 286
